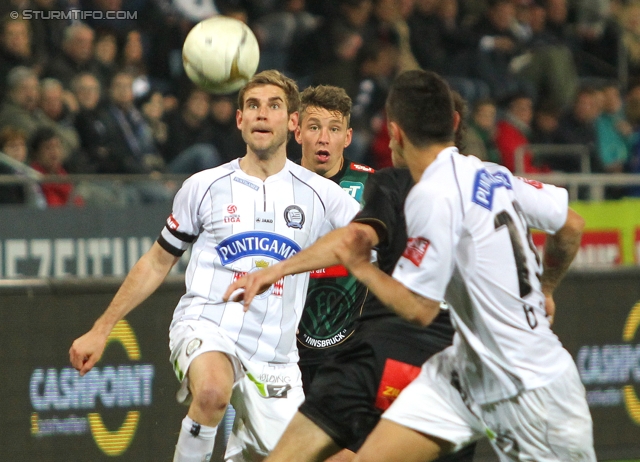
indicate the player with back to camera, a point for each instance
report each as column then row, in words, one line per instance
column 244, row 215
column 352, row 388
column 507, row 375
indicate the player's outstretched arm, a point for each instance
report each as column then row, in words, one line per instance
column 143, row 279
column 559, row 251
column 354, row 252
column 317, row 256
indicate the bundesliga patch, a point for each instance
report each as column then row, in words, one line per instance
column 172, row 223
column 230, row 214
column 416, row 249
column 395, row 377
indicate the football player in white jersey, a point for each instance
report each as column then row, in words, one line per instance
column 241, row 216
column 506, row 376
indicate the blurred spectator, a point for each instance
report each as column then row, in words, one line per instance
column 513, row 132
column 129, row 145
column 152, row 108
column 59, row 107
column 598, row 36
column 15, row 47
column 195, row 11
column 76, row 56
column 441, row 45
column 479, row 139
column 132, row 61
column 500, row 54
column 614, row 135
column 226, row 136
column 550, row 65
column 378, row 66
column 91, row 130
column 105, row 53
column 276, row 32
column 13, row 143
column 120, row 22
column 578, row 126
column 189, row 148
column 48, row 30
column 390, row 19
column 47, row 154
column 328, row 55
column 632, row 111
column 546, row 118
column 613, row 131
column 20, row 106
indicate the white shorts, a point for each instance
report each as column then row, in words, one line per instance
column 265, row 396
column 546, row 424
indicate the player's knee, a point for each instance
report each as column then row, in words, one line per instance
column 211, row 399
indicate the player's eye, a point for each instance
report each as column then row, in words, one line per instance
column 275, row 106
column 335, row 129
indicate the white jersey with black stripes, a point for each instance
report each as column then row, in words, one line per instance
column 469, row 243
column 238, row 223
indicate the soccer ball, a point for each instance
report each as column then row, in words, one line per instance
column 220, row 54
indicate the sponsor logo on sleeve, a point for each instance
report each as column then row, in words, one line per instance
column 294, row 217
column 485, row 184
column 361, row 168
column 172, row 223
column 416, row 249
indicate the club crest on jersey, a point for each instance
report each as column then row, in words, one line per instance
column 254, row 244
column 172, row 223
column 231, row 215
column 294, row 217
column 485, row 184
column 416, row 249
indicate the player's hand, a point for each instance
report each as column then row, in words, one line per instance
column 87, row 350
column 354, row 250
column 550, row 307
column 247, row 287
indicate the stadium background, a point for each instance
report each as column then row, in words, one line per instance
column 59, row 267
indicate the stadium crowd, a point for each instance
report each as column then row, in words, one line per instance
column 109, row 96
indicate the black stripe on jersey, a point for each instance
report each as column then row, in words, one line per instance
column 455, row 174
column 311, row 188
column 184, row 237
column 169, row 248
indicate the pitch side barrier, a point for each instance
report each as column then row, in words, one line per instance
column 125, row 409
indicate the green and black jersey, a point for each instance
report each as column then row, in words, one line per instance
column 334, row 298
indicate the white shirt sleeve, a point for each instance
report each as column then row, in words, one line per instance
column 183, row 225
column 545, row 206
column 427, row 262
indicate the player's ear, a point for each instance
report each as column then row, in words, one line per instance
column 297, row 133
column 239, row 118
column 293, row 121
column 395, row 134
column 349, row 137
column 456, row 121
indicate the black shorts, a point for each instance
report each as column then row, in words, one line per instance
column 352, row 389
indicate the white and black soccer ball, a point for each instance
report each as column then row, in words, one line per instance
column 220, row 54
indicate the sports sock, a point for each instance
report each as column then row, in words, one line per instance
column 195, row 443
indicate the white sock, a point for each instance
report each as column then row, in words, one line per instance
column 195, row 443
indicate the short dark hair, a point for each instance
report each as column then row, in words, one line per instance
column 41, row 136
column 333, row 99
column 420, row 102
